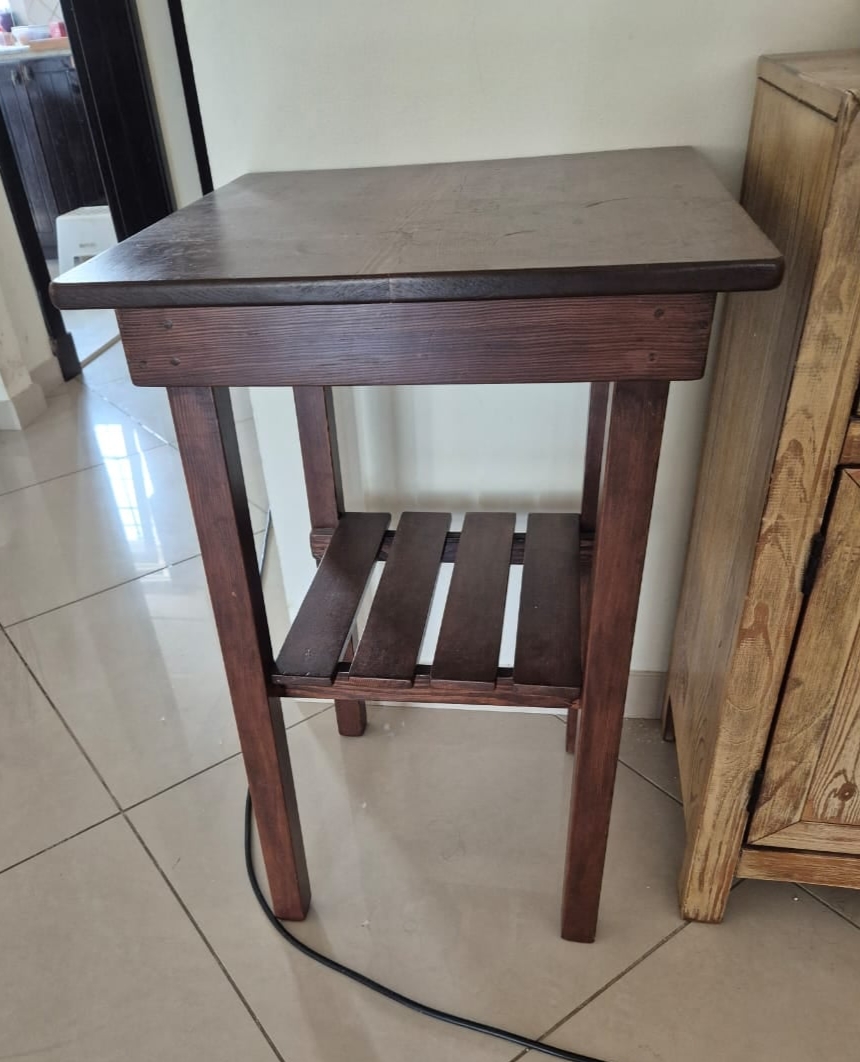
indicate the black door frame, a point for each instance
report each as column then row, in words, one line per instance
column 107, row 47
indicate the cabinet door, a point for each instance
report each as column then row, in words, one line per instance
column 58, row 112
column 810, row 794
column 24, row 134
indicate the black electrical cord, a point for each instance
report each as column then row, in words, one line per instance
column 384, row 990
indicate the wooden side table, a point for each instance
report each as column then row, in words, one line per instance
column 598, row 268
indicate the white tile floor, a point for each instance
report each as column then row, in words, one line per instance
column 127, row 929
column 92, row 330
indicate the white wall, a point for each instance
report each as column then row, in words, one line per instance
column 169, row 100
column 336, row 83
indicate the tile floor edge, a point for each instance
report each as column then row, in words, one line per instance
column 206, row 942
column 609, row 984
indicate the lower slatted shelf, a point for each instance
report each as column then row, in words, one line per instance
column 547, row 663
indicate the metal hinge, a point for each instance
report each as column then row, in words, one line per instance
column 816, row 548
column 755, row 790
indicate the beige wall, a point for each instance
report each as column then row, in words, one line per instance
column 338, row 83
column 20, row 293
column 28, row 368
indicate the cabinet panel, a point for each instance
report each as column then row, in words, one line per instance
column 811, row 772
column 834, row 796
column 44, row 113
column 18, row 116
column 787, row 180
column 55, row 99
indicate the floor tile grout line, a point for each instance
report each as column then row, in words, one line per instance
column 636, row 771
column 62, row 719
column 107, row 589
column 182, row 781
column 609, row 984
column 210, row 948
column 211, row 766
column 120, row 810
column 824, row 903
column 83, row 468
column 75, row 471
column 651, row 781
column 131, row 416
column 104, row 590
column 95, row 593
column 121, row 813
column 62, row 840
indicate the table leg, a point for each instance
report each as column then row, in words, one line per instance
column 321, row 464
column 351, row 715
column 210, row 456
column 598, row 401
column 667, row 723
column 635, row 432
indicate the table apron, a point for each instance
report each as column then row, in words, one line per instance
column 632, row 337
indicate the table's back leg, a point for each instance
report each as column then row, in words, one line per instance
column 598, row 400
column 597, row 405
column 635, row 432
column 318, row 439
column 210, row 455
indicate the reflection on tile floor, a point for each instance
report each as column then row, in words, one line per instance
column 92, row 330
column 435, row 841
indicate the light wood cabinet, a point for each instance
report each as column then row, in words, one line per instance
column 764, row 684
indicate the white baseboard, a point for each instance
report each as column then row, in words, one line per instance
column 22, row 409
column 645, row 695
column 48, row 376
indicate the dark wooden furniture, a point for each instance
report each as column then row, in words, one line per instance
column 763, row 686
column 41, row 104
column 593, row 268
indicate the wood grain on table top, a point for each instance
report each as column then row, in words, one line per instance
column 654, row 221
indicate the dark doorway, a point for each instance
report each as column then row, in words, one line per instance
column 79, row 128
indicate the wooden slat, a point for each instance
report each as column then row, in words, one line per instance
column 319, row 632
column 388, row 650
column 467, row 652
column 503, row 694
column 548, row 631
column 321, row 536
column 634, row 337
column 810, row 868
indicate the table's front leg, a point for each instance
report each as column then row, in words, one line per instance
column 633, row 450
column 210, row 455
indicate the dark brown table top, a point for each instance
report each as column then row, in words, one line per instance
column 652, row 221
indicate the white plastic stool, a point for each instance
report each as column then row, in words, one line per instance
column 83, row 233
